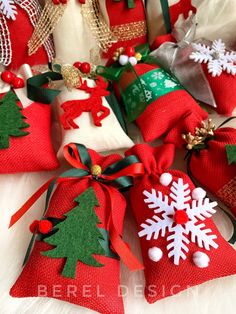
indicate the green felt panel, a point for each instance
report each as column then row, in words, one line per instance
column 231, row 153
column 78, row 237
column 11, row 120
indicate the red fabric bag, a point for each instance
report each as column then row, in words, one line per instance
column 33, row 151
column 166, row 100
column 127, row 24
column 15, row 34
column 222, row 87
column 180, row 243
column 91, row 171
column 209, row 165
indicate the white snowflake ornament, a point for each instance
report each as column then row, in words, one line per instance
column 218, row 59
column 180, row 219
column 8, row 8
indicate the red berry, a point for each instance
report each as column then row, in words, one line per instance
column 33, row 226
column 130, row 51
column 63, row 1
column 85, row 67
column 18, row 82
column 82, row 1
column 45, row 226
column 56, row 2
column 77, row 64
column 181, row 217
column 7, row 76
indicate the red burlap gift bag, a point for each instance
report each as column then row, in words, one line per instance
column 25, row 140
column 83, row 248
column 127, row 23
column 212, row 156
column 180, row 243
column 17, row 27
column 206, row 69
column 166, row 100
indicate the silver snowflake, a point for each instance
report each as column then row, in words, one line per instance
column 179, row 216
column 218, row 59
column 8, row 8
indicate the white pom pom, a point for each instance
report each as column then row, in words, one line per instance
column 166, row 178
column 155, row 254
column 133, row 61
column 198, row 194
column 123, row 59
column 201, row 259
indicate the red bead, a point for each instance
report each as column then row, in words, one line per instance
column 130, row 51
column 45, row 226
column 77, row 64
column 85, row 67
column 63, row 1
column 181, row 217
column 56, row 2
column 18, row 82
column 7, row 76
column 33, row 226
column 82, row 1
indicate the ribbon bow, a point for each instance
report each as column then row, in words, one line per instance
column 116, row 176
column 174, row 57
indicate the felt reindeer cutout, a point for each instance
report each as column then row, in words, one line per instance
column 74, row 108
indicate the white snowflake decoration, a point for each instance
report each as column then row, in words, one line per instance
column 218, row 59
column 8, row 8
column 169, row 84
column 157, row 76
column 179, row 204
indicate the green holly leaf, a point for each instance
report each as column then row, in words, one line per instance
column 231, row 154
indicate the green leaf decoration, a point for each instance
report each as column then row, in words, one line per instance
column 231, row 154
column 11, row 120
column 78, row 237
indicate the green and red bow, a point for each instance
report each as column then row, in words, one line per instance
column 118, row 175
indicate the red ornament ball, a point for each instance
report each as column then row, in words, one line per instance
column 56, row 2
column 130, row 51
column 33, row 226
column 18, row 82
column 85, row 68
column 77, row 64
column 7, row 77
column 181, row 217
column 45, row 226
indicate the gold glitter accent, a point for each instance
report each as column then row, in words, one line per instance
column 71, row 76
column 130, row 31
column 47, row 22
column 227, row 193
column 97, row 24
column 138, row 56
column 96, row 170
column 201, row 134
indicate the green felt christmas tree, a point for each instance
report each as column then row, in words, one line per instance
column 78, row 236
column 11, row 120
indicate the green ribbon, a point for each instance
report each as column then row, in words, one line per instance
column 38, row 93
column 130, row 3
column 121, row 183
column 156, row 83
column 166, row 15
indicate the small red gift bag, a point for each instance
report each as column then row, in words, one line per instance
column 17, row 24
column 206, row 69
column 211, row 156
column 180, row 243
column 165, row 100
column 79, row 241
column 127, row 21
column 25, row 140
